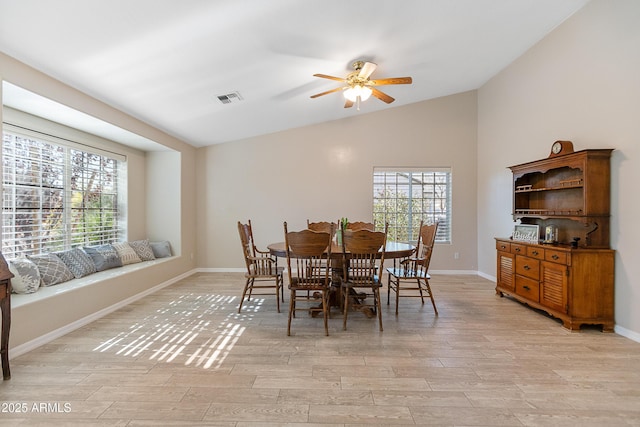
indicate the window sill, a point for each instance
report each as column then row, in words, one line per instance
column 43, row 293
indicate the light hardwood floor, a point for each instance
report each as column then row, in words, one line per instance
column 184, row 356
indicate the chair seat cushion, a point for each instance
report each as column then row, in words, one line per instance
column 409, row 274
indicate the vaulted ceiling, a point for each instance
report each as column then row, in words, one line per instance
column 166, row 62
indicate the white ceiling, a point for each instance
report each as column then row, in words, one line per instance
column 166, row 61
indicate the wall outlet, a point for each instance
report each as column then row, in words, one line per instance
column 456, row 255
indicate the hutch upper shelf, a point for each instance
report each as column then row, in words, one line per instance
column 572, row 191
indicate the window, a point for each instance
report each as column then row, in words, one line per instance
column 56, row 197
column 404, row 197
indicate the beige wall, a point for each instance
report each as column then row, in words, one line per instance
column 324, row 172
column 581, row 83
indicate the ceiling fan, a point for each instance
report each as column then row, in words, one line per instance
column 359, row 87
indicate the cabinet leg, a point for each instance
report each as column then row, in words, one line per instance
column 571, row 325
column 607, row 327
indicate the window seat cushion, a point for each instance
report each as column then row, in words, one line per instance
column 26, row 277
column 18, row 300
column 51, row 268
column 143, row 249
column 78, row 262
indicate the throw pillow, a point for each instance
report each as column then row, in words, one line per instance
column 143, row 249
column 161, row 249
column 26, row 278
column 78, row 262
column 126, row 253
column 52, row 269
column 104, row 257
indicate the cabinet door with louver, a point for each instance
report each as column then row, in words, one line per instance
column 506, row 271
column 553, row 286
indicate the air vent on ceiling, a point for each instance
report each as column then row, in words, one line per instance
column 230, row 98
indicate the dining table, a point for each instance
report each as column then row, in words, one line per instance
column 391, row 250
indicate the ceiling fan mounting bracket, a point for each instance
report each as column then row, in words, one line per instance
column 354, row 80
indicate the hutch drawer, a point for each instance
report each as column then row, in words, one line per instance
column 528, row 288
column 556, row 256
column 528, row 267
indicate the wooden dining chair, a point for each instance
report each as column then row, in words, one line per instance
column 363, row 254
column 410, row 278
column 325, row 226
column 262, row 268
column 309, row 279
column 360, row 225
column 331, row 228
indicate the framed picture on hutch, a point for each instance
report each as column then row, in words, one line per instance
column 526, row 233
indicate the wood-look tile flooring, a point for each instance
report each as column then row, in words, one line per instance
column 184, row 357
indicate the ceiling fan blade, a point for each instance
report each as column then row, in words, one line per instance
column 381, row 96
column 327, row 92
column 348, row 104
column 391, row 81
column 324, row 76
column 367, row 69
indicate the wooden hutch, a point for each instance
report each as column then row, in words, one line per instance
column 572, row 276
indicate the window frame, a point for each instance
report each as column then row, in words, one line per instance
column 401, row 181
column 67, row 235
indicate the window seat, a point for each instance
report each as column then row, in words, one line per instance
column 18, row 300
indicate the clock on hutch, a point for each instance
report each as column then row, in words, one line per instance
column 569, row 272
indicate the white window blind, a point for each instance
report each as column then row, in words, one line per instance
column 405, row 196
column 57, row 196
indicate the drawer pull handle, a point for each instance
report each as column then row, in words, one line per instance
column 526, row 267
column 535, row 253
column 503, row 247
column 526, row 287
column 517, row 249
column 555, row 257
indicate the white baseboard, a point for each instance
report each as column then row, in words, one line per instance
column 634, row 336
column 487, row 276
column 221, row 270
column 46, row 338
column 453, row 272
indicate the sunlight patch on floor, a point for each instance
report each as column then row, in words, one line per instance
column 181, row 330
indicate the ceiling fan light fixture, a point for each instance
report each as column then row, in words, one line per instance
column 356, row 91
